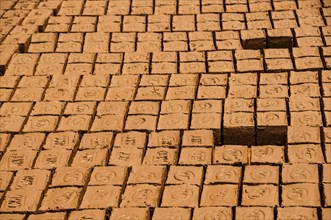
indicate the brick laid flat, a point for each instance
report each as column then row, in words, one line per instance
column 165, row 109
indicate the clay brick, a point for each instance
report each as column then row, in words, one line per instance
column 219, row 195
column 230, row 154
column 62, row 140
column 110, row 175
column 99, row 214
column 161, row 156
column 164, row 139
column 309, row 173
column 132, row 195
column 48, row 159
column 57, row 198
column 21, row 200
column 305, row 153
column 101, row 197
column 268, row 197
column 195, row 156
column 17, row 160
column 70, row 176
column 304, row 194
column 180, row 196
column 168, row 213
column 88, row 158
column 185, row 175
column 147, row 175
column 29, row 141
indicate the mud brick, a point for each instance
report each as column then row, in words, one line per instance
column 134, row 24
column 126, row 157
column 304, row 134
column 206, row 121
column 303, row 194
column 63, row 93
column 147, row 175
column 137, row 57
column 327, row 152
column 208, row 22
column 17, row 160
column 122, row 46
column 210, row 106
column 21, row 200
column 98, row 140
column 220, row 66
column 158, row 23
column 61, row 140
column 48, row 215
column 238, row 105
column 164, row 139
column 109, row 58
column 33, row 81
column 306, row 118
column 305, row 89
column 21, row 39
column 110, row 175
column 105, row 108
column 253, row 39
column 185, row 175
column 249, row 65
column 304, row 104
column 276, row 53
column 274, row 78
column 230, row 154
column 90, row 94
column 259, row 174
column 168, row 213
column 175, row 46
column 133, row 195
column 243, row 79
column 101, row 197
column 41, row 123
column 233, row 25
column 183, row 80
column 307, row 63
column 150, row 93
column 64, row 81
column 8, row 81
column 106, row 68
column 244, row 91
column 222, row 174
column 268, row 195
column 180, row 196
column 135, row 213
column 271, row 128
column 6, row 178
column 173, row 121
column 327, row 135
column 141, row 122
column 28, row 94
column 309, row 41
column 326, row 89
column 326, row 213
column 183, row 92
column 118, row 8
column 161, row 156
column 198, row 138
column 74, row 123
column 12, row 124
column 27, row 141
column 238, row 123
column 300, row 173
column 267, row 154
column 61, row 198
column 293, row 212
column 94, row 8
column 183, row 23
column 19, row 109
column 154, row 80
column 176, row 106
column 305, row 153
column 279, row 64
column 71, row 8
column 5, row 94
column 254, row 212
column 144, row 108
column 90, row 158
column 270, row 104
column 79, row 108
column 4, row 141
column 70, row 176
column 124, row 81
column 195, row 156
column 7, row 51
column 228, row 44
column 305, row 52
column 99, row 214
column 130, row 139
column 212, row 212
column 30, row 180
column 192, row 67
column 219, row 195
column 48, row 159
column 326, row 196
column 121, row 93
column 44, row 47
column 72, row 47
